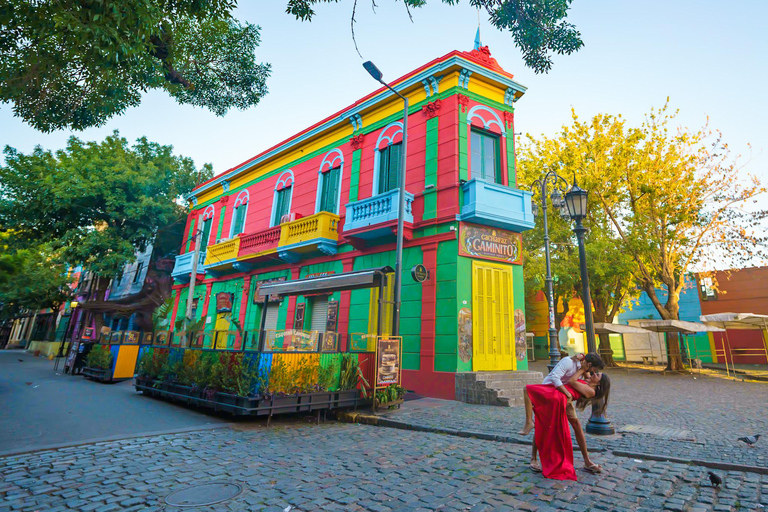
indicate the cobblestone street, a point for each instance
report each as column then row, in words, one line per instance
column 350, row 467
column 708, row 414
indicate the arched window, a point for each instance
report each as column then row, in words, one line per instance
column 206, row 220
column 281, row 201
column 239, row 213
column 387, row 158
column 485, row 144
column 329, row 182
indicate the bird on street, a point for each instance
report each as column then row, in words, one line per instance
column 714, row 479
column 750, row 440
column 20, row 360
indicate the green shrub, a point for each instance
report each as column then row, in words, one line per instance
column 99, row 357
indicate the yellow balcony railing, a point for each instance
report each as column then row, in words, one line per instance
column 222, row 252
column 321, row 225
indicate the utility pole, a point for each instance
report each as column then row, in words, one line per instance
column 191, row 292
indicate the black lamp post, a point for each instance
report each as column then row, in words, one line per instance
column 576, row 201
column 541, row 184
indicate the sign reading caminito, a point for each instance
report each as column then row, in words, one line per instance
column 490, row 243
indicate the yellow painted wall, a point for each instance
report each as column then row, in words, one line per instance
column 46, row 348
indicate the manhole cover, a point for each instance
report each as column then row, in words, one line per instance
column 672, row 433
column 204, row 494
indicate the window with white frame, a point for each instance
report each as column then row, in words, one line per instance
column 281, row 204
column 239, row 214
column 389, row 167
column 329, row 190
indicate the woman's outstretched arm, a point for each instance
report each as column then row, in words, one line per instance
column 580, row 387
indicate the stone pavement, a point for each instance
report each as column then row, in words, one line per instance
column 350, row 467
column 707, row 414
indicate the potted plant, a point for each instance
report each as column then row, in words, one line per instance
column 390, row 397
column 98, row 364
column 350, row 377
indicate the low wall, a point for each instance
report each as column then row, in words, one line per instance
column 46, row 348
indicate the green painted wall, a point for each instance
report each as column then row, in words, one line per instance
column 191, row 234
column 354, row 176
column 463, row 153
column 253, row 311
column 511, row 158
column 410, row 309
column 518, row 297
column 430, row 169
column 221, row 222
column 446, row 311
column 336, row 267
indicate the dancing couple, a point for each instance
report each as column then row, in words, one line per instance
column 577, row 378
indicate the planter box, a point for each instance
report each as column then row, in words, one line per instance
column 315, row 401
column 387, row 405
column 97, row 374
column 284, row 405
column 346, row 398
column 226, row 402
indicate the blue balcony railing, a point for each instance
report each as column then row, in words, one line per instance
column 376, row 210
column 495, row 205
column 183, row 267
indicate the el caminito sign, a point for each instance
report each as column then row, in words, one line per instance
column 490, row 243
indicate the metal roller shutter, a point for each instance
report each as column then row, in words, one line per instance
column 319, row 313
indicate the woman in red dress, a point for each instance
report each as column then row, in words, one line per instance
column 552, row 436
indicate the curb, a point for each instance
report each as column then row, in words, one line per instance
column 371, row 419
column 724, row 466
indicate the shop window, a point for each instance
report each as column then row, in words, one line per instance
column 485, row 156
column 329, row 190
column 389, row 167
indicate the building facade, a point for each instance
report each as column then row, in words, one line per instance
column 324, row 203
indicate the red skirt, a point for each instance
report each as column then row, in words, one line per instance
column 552, row 434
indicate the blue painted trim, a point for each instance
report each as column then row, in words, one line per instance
column 376, row 210
column 357, row 109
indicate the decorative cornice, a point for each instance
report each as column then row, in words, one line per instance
column 357, row 141
column 430, row 109
column 194, row 201
column 455, row 59
column 225, row 186
column 464, row 78
column 509, row 118
column 357, row 122
column 464, row 102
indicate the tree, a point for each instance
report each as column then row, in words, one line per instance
column 674, row 199
column 75, row 65
column 610, row 269
column 29, row 279
column 95, row 204
column 539, row 29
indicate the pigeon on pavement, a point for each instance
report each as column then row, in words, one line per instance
column 20, row 360
column 750, row 440
column 714, row 479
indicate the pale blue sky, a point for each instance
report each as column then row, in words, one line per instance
column 709, row 57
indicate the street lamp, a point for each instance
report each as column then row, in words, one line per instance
column 576, row 201
column 552, row 178
column 377, row 75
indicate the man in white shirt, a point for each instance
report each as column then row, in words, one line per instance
column 558, row 377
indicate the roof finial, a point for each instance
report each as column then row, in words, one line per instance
column 478, row 43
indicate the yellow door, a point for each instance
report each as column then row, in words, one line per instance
column 493, row 330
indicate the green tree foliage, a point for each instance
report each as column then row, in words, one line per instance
column 76, row 64
column 538, row 28
column 663, row 202
column 95, row 203
column 610, row 268
column 29, row 279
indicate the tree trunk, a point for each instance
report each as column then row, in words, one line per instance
column 605, row 350
column 674, row 354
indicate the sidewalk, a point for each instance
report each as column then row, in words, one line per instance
column 684, row 418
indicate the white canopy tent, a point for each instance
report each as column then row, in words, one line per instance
column 742, row 321
column 637, row 348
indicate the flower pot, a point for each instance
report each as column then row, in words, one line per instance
column 387, row 405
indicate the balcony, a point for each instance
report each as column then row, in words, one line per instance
column 318, row 232
column 376, row 216
column 183, row 267
column 222, row 255
column 256, row 246
column 495, row 205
